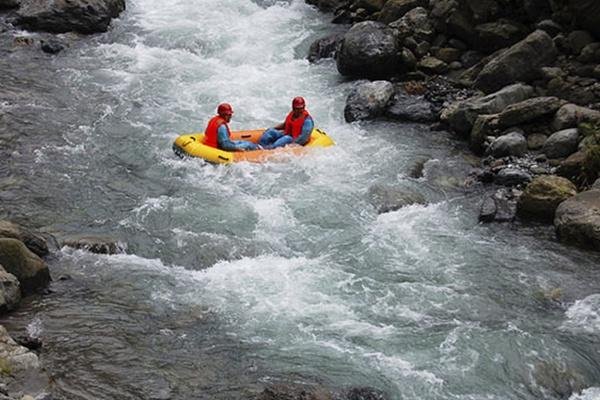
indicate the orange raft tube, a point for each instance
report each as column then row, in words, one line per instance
column 193, row 145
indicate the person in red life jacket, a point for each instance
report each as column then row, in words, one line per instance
column 295, row 129
column 218, row 135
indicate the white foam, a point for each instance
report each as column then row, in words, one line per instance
column 584, row 315
column 592, row 393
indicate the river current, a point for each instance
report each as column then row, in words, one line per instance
column 239, row 277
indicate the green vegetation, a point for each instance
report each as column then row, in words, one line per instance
column 5, row 368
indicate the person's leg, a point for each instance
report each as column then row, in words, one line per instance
column 282, row 141
column 245, row 145
column 269, row 137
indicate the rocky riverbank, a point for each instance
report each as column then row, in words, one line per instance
column 519, row 81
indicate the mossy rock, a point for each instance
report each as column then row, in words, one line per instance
column 543, row 195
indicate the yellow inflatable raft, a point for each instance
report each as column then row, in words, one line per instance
column 193, row 145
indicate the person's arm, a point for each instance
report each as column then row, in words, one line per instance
column 280, row 126
column 225, row 143
column 307, row 128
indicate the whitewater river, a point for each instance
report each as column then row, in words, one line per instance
column 235, row 278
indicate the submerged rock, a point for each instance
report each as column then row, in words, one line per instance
column 94, row 244
column 387, row 198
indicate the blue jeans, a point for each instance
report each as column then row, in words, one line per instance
column 272, row 138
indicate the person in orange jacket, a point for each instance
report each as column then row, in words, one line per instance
column 295, row 129
column 218, row 135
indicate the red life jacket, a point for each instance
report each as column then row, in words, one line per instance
column 211, row 135
column 293, row 127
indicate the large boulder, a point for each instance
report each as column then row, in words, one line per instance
column 543, row 195
column 370, row 50
column 412, row 108
column 528, row 111
column 10, row 291
column 416, row 24
column 368, row 100
column 562, row 143
column 29, row 269
column 454, row 19
column 511, row 144
column 461, row 115
column 59, row 16
column 33, row 241
column 588, row 14
column 395, row 9
column 519, row 63
column 577, row 220
column 571, row 115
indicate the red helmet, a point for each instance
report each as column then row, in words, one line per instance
column 224, row 109
column 298, row 102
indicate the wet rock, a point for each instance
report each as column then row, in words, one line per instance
column 571, row 115
column 395, row 9
column 83, row 16
column 528, row 110
column 369, row 49
column 34, row 241
column 562, row 143
column 572, row 167
column 511, row 144
column 30, row 342
column 368, row 100
column 10, row 291
column 497, row 35
column 521, row 62
column 416, row 170
column 294, row 392
column 577, row 220
column 461, row 115
column 406, row 107
column 501, row 206
column 557, row 381
column 543, row 195
column 52, row 46
column 324, row 47
column 387, row 198
column 365, row 393
column 29, row 269
column 485, row 126
column 94, row 244
column 512, row 177
column 536, row 141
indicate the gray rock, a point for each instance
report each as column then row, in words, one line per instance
column 571, row 115
column 578, row 40
column 528, row 111
column 562, row 143
column 395, row 9
column 59, row 16
column 461, row 115
column 416, row 24
column 388, row 198
column 521, row 62
column 485, row 126
column 10, row 291
column 432, row 65
column 511, row 144
column 550, row 27
column 590, row 53
column 572, row 167
column 368, row 100
column 52, row 46
column 512, row 177
column 448, row 54
column 29, row 269
column 499, row 207
column 470, row 58
column 577, row 220
column 324, row 47
column 596, row 184
column 487, row 212
column 34, row 241
column 536, row 141
column 94, row 244
column 369, row 49
column 497, row 35
column 406, row 107
column 543, row 195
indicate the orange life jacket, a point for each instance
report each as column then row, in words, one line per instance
column 211, row 134
column 293, row 127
